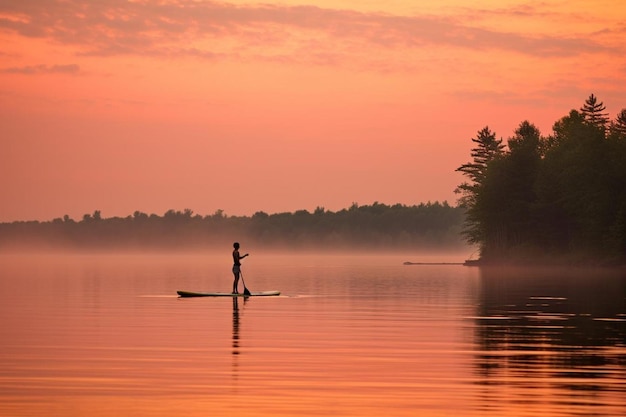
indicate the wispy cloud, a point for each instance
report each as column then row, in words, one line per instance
column 42, row 69
column 211, row 29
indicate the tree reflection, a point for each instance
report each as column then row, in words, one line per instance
column 556, row 329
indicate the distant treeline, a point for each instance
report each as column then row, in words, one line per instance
column 550, row 199
column 377, row 226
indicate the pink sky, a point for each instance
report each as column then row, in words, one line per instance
column 120, row 106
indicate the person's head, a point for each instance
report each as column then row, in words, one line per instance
column 236, row 245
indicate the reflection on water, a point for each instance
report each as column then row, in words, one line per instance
column 351, row 336
column 235, row 326
column 235, row 337
column 552, row 339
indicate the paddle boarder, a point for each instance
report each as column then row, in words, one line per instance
column 236, row 266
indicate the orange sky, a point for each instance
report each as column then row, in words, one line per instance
column 279, row 106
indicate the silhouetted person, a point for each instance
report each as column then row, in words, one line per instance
column 236, row 266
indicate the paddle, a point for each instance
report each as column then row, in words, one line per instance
column 245, row 290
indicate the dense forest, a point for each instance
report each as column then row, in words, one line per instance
column 370, row 227
column 559, row 198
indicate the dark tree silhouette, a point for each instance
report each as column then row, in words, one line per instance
column 376, row 226
column 556, row 199
column 593, row 112
column 617, row 128
column 487, row 149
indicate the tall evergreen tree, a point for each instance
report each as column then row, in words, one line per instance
column 524, row 161
column 593, row 112
column 526, row 140
column 617, row 128
column 487, row 149
column 574, row 186
column 506, row 197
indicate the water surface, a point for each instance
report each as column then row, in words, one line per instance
column 351, row 335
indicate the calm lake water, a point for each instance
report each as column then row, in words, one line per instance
column 351, row 335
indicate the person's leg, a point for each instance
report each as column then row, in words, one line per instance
column 236, row 280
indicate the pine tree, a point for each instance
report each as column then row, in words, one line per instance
column 487, row 150
column 618, row 126
column 592, row 112
column 488, row 147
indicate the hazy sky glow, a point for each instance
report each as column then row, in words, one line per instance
column 120, row 106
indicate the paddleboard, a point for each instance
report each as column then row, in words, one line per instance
column 226, row 294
